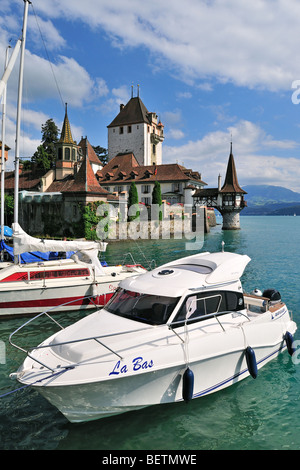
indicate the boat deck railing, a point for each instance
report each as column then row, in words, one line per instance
column 99, row 339
column 256, row 304
column 47, row 314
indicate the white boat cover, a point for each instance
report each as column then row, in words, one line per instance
column 25, row 243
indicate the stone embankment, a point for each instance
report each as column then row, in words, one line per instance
column 176, row 227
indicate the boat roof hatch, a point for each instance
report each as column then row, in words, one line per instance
column 195, row 271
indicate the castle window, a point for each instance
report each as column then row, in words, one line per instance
column 129, row 129
column 73, row 154
column 176, row 187
column 121, row 130
column 145, row 188
column 67, row 154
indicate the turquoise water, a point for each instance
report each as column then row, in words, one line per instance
column 253, row 414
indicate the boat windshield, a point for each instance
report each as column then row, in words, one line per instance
column 151, row 309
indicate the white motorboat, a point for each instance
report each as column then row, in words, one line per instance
column 180, row 331
column 78, row 282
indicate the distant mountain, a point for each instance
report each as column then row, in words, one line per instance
column 271, row 200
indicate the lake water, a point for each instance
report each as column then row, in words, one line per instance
column 253, row 414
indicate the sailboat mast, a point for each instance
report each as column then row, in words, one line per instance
column 18, row 125
column 3, row 153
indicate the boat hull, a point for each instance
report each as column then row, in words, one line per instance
column 212, row 372
column 31, row 301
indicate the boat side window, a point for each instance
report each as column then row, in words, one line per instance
column 198, row 305
column 151, row 309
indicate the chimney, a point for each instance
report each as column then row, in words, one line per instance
column 20, row 168
column 219, row 182
column 121, row 107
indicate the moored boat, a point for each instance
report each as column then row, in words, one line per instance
column 78, row 282
column 181, row 331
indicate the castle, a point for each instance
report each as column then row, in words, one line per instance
column 50, row 202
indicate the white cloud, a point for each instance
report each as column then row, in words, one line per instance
column 248, row 43
column 45, row 34
column 209, row 156
column 101, row 86
column 121, row 94
column 184, row 95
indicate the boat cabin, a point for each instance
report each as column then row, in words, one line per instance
column 189, row 290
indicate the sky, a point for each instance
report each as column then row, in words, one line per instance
column 214, row 71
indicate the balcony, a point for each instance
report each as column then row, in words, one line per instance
column 155, row 138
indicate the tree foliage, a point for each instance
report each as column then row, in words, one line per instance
column 101, row 152
column 133, row 198
column 50, row 134
column 45, row 155
column 41, row 159
column 156, row 197
column 9, row 209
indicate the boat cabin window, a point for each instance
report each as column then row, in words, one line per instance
column 196, row 306
column 151, row 309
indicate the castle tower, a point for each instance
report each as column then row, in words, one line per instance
column 136, row 130
column 231, row 197
column 227, row 199
column 66, row 151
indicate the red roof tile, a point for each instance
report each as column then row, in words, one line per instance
column 28, row 180
column 84, row 181
column 88, row 149
column 126, row 163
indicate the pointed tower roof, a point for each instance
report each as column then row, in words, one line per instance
column 231, row 184
column 66, row 134
column 132, row 113
column 88, row 150
column 85, row 180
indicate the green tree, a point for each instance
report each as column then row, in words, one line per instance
column 41, row 158
column 27, row 164
column 45, row 155
column 133, row 198
column 50, row 134
column 9, row 209
column 101, row 152
column 156, row 197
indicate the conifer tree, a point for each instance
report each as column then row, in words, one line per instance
column 133, row 198
column 156, row 197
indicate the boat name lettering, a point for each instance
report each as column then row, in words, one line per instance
column 279, row 312
column 112, row 287
column 137, row 364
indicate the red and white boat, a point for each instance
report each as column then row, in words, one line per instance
column 79, row 282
